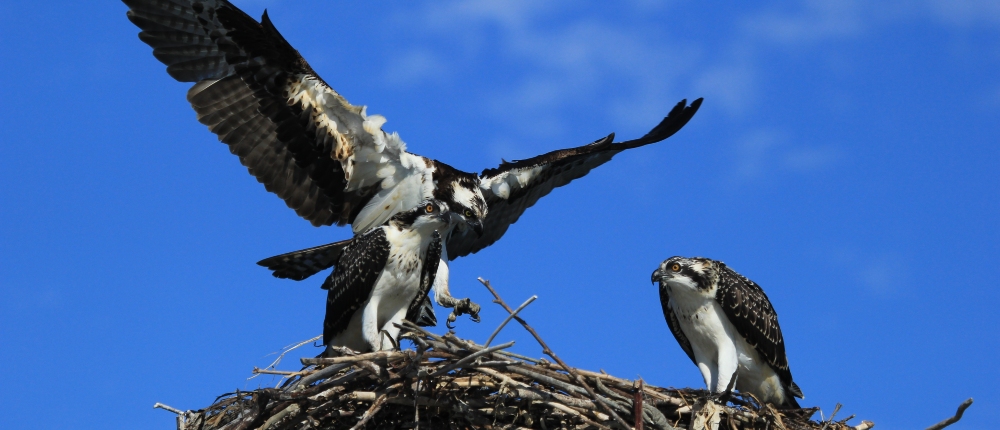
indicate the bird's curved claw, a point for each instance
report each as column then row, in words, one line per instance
column 723, row 397
column 462, row 307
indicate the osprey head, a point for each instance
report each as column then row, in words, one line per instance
column 696, row 274
column 468, row 207
column 430, row 213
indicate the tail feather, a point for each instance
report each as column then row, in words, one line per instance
column 426, row 317
column 795, row 390
column 301, row 264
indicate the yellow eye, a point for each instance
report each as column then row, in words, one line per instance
column 429, row 208
column 468, row 213
column 676, row 267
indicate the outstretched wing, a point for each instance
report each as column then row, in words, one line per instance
column 675, row 325
column 352, row 282
column 749, row 310
column 516, row 186
column 301, row 264
column 324, row 157
column 421, row 310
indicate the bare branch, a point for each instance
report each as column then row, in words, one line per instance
column 159, row 405
column 954, row 419
column 507, row 320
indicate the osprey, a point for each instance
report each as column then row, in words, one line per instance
column 382, row 276
column 727, row 327
column 329, row 160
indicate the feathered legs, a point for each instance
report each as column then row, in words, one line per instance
column 443, row 297
column 370, row 328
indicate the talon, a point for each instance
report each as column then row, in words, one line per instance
column 463, row 307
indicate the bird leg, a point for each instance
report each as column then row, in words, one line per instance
column 462, row 307
column 443, row 297
column 395, row 344
column 723, row 397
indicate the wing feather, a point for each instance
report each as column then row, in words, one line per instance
column 513, row 187
column 350, row 285
column 421, row 311
column 327, row 159
column 675, row 325
column 749, row 310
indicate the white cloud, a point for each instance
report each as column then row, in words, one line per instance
column 730, row 86
column 765, row 153
column 884, row 274
column 816, row 20
column 809, row 159
column 415, row 67
column 964, row 13
column 628, row 74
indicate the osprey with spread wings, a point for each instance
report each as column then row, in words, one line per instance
column 329, row 160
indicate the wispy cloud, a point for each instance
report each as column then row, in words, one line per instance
column 415, row 67
column 814, row 21
column 767, row 152
column 964, row 13
column 884, row 275
column 619, row 70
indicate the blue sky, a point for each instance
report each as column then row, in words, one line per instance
column 845, row 158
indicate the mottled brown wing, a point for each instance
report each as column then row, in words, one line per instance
column 749, row 310
column 421, row 310
column 294, row 133
column 513, row 187
column 674, row 325
column 352, row 282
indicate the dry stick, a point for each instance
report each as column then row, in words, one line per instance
column 507, row 320
column 958, row 415
column 572, row 412
column 159, row 405
column 377, row 355
column 470, row 358
column 376, row 405
column 638, row 407
column 548, row 351
column 259, row 371
column 835, row 410
column 287, row 349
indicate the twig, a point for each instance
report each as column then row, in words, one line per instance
column 830, row 420
column 371, row 412
column 377, row 355
column 286, row 349
column 548, row 351
column 316, row 376
column 574, row 413
column 470, row 358
column 159, row 405
column 958, row 415
column 638, row 407
column 507, row 320
column 259, row 371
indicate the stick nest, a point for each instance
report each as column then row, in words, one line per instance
column 447, row 382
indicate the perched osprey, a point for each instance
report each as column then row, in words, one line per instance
column 329, row 160
column 382, row 276
column 727, row 327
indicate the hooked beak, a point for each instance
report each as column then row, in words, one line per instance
column 477, row 226
column 657, row 275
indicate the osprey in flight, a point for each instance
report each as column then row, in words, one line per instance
column 329, row 160
column 727, row 327
column 382, row 276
